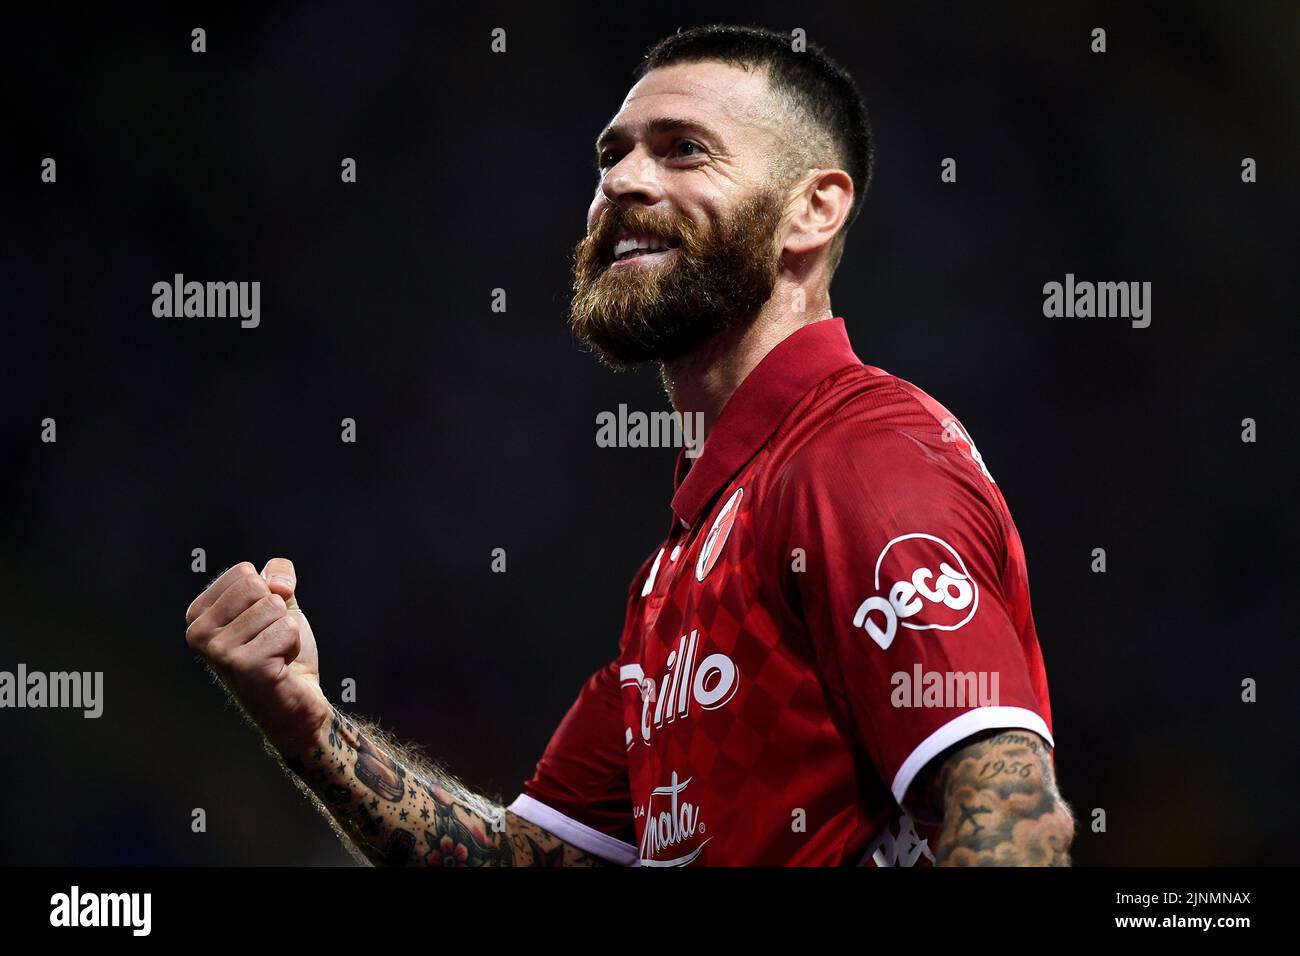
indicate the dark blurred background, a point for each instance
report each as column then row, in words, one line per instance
column 476, row 429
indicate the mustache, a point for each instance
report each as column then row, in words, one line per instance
column 599, row 243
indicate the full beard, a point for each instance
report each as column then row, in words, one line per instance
column 714, row 281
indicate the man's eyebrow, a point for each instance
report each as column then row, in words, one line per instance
column 657, row 126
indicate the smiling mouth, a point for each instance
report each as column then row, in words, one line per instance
column 630, row 248
column 642, row 259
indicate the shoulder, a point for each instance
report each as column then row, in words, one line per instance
column 865, row 426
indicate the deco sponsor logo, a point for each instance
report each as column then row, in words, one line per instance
column 922, row 583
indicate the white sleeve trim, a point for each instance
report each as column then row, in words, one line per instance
column 958, row 729
column 608, row 848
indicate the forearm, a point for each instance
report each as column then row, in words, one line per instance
column 393, row 808
column 1001, row 805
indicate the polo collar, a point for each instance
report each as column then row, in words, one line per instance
column 786, row 374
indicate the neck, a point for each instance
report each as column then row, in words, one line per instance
column 704, row 380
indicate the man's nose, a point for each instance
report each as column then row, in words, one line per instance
column 634, row 179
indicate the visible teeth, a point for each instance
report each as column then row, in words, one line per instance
column 647, row 244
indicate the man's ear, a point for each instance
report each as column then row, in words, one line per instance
column 819, row 207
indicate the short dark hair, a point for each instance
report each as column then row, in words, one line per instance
column 823, row 92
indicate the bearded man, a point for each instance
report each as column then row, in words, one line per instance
column 831, row 659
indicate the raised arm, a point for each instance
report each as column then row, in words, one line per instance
column 999, row 803
column 390, row 806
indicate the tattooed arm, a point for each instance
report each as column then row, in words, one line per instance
column 999, row 803
column 393, row 808
column 387, row 804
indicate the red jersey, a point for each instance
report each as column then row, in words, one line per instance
column 842, row 596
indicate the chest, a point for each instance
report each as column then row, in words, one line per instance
column 717, row 698
column 700, row 607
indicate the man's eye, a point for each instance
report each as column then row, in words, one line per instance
column 683, row 148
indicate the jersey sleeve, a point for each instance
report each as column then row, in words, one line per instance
column 579, row 790
column 889, row 550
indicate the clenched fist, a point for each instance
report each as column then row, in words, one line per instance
column 249, row 629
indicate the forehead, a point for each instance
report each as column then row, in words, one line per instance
column 733, row 102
